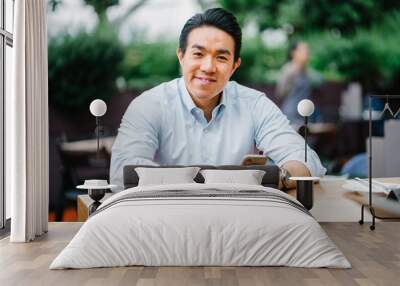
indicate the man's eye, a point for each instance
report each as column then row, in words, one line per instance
column 222, row 58
column 197, row 54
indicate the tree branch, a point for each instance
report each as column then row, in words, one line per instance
column 117, row 22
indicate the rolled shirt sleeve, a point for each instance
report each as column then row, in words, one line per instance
column 278, row 140
column 137, row 139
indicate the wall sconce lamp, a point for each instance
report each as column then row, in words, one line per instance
column 98, row 108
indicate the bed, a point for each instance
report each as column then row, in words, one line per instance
column 201, row 224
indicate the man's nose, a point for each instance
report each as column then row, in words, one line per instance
column 208, row 65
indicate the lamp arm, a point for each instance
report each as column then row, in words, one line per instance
column 370, row 150
column 98, row 136
column 305, row 137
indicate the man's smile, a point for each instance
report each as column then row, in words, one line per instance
column 205, row 80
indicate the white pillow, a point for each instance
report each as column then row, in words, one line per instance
column 248, row 177
column 165, row 176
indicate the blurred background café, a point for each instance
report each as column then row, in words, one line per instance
column 336, row 53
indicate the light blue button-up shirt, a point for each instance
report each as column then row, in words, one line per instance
column 163, row 126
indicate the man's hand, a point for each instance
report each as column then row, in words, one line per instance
column 296, row 169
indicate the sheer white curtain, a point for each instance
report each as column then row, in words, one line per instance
column 27, row 124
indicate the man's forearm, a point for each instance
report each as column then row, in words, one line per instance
column 296, row 169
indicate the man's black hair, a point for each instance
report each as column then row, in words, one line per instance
column 215, row 17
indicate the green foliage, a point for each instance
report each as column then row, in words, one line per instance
column 259, row 64
column 345, row 16
column 54, row 4
column 82, row 68
column 86, row 66
column 310, row 15
column 370, row 56
column 263, row 11
column 100, row 6
column 350, row 40
column 146, row 65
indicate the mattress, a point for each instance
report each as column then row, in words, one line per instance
column 201, row 225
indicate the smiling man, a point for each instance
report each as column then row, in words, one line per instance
column 203, row 118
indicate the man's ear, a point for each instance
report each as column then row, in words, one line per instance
column 236, row 65
column 179, row 54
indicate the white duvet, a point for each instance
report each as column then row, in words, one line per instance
column 200, row 231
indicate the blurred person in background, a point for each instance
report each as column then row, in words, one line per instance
column 294, row 81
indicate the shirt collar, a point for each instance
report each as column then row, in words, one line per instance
column 185, row 96
column 188, row 101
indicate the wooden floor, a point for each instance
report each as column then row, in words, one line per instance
column 374, row 255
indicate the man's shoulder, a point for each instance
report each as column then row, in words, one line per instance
column 162, row 91
column 251, row 99
column 245, row 93
column 153, row 99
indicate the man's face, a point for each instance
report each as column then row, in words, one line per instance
column 301, row 54
column 208, row 62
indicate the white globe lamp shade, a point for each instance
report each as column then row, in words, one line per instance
column 98, row 107
column 305, row 107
